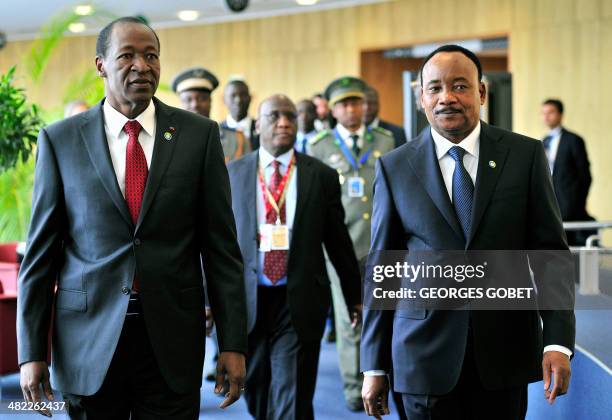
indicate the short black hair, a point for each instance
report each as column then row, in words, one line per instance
column 556, row 103
column 237, row 82
column 452, row 48
column 104, row 35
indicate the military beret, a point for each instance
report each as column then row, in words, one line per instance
column 194, row 78
column 345, row 87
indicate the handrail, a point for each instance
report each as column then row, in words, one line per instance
column 587, row 225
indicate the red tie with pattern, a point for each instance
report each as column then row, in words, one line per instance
column 275, row 262
column 136, row 172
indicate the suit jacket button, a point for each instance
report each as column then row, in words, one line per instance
column 125, row 290
column 137, row 242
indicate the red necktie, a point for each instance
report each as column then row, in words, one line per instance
column 275, row 262
column 136, row 172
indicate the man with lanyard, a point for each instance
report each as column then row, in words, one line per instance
column 194, row 87
column 352, row 150
column 287, row 206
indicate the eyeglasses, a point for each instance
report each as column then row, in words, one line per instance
column 274, row 116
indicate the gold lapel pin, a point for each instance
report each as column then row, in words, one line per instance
column 168, row 135
column 492, row 164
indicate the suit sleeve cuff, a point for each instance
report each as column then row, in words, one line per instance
column 374, row 373
column 555, row 347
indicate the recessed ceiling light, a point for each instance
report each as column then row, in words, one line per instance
column 83, row 10
column 188, row 15
column 76, row 27
column 306, row 2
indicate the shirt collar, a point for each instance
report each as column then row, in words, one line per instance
column 115, row 120
column 232, row 123
column 555, row 132
column 345, row 133
column 470, row 144
column 265, row 158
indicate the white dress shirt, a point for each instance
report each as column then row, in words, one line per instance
column 471, row 144
column 265, row 162
column 553, row 147
column 345, row 135
column 243, row 125
column 117, row 138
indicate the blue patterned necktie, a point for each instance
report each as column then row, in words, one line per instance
column 463, row 190
column 546, row 142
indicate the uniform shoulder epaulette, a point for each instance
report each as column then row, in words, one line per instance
column 383, row 131
column 320, row 135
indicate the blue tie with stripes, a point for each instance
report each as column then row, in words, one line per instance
column 463, row 190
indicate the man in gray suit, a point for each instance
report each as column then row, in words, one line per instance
column 128, row 197
column 467, row 186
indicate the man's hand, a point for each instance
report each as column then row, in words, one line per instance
column 557, row 364
column 33, row 375
column 233, row 365
column 375, row 392
column 355, row 315
column 210, row 322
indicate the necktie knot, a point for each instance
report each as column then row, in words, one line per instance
column 132, row 128
column 457, row 153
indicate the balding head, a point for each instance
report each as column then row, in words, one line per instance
column 277, row 124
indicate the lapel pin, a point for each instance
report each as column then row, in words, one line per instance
column 492, row 164
column 168, row 134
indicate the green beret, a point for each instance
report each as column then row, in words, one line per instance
column 345, row 87
column 194, row 78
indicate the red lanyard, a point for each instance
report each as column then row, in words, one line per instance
column 277, row 199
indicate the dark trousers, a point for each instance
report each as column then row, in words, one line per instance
column 469, row 400
column 281, row 369
column 134, row 385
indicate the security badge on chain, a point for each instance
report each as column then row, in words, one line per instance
column 355, row 183
column 275, row 237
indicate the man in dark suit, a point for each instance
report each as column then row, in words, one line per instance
column 569, row 165
column 465, row 185
column 128, row 197
column 237, row 99
column 287, row 205
column 371, row 107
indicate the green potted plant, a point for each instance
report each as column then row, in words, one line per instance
column 19, row 126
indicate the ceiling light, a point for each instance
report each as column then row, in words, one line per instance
column 76, row 27
column 83, row 10
column 306, row 2
column 188, row 15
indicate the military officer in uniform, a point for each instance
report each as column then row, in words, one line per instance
column 352, row 150
column 194, row 87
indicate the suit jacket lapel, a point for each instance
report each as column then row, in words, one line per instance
column 491, row 160
column 94, row 137
column 304, row 181
column 248, row 173
column 424, row 163
column 162, row 154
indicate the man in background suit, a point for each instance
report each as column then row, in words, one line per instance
column 287, row 205
column 237, row 99
column 127, row 198
column 371, row 107
column 461, row 363
column 194, row 87
column 569, row 166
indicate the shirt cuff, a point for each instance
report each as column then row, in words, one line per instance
column 562, row 349
column 374, row 373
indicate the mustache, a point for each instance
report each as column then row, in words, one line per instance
column 448, row 110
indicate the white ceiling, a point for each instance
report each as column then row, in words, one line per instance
column 23, row 19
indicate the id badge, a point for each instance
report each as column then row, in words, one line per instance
column 279, row 239
column 264, row 237
column 356, row 186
